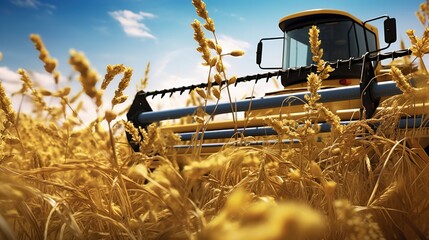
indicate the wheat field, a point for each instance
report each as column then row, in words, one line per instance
column 64, row 178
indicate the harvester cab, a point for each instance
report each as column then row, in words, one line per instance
column 351, row 92
column 343, row 37
column 349, row 44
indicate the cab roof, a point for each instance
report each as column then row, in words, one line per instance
column 317, row 16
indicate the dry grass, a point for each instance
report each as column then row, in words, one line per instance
column 65, row 179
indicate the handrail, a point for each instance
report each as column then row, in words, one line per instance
column 379, row 90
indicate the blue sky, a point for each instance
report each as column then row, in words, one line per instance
column 135, row 32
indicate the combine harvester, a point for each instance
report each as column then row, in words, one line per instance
column 353, row 91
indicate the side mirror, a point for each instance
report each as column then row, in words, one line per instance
column 390, row 30
column 259, row 53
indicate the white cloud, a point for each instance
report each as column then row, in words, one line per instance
column 229, row 43
column 8, row 75
column 167, row 74
column 131, row 23
column 178, row 81
column 26, row 3
column 240, row 18
column 12, row 83
column 103, row 30
column 176, row 100
column 165, row 62
column 10, row 80
column 43, row 79
column 34, row 4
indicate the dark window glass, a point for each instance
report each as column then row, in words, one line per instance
column 372, row 41
column 340, row 40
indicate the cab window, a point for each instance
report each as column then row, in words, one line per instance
column 340, row 40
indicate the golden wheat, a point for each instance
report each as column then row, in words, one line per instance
column 65, row 179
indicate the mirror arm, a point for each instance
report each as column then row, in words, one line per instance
column 259, row 52
column 390, row 41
